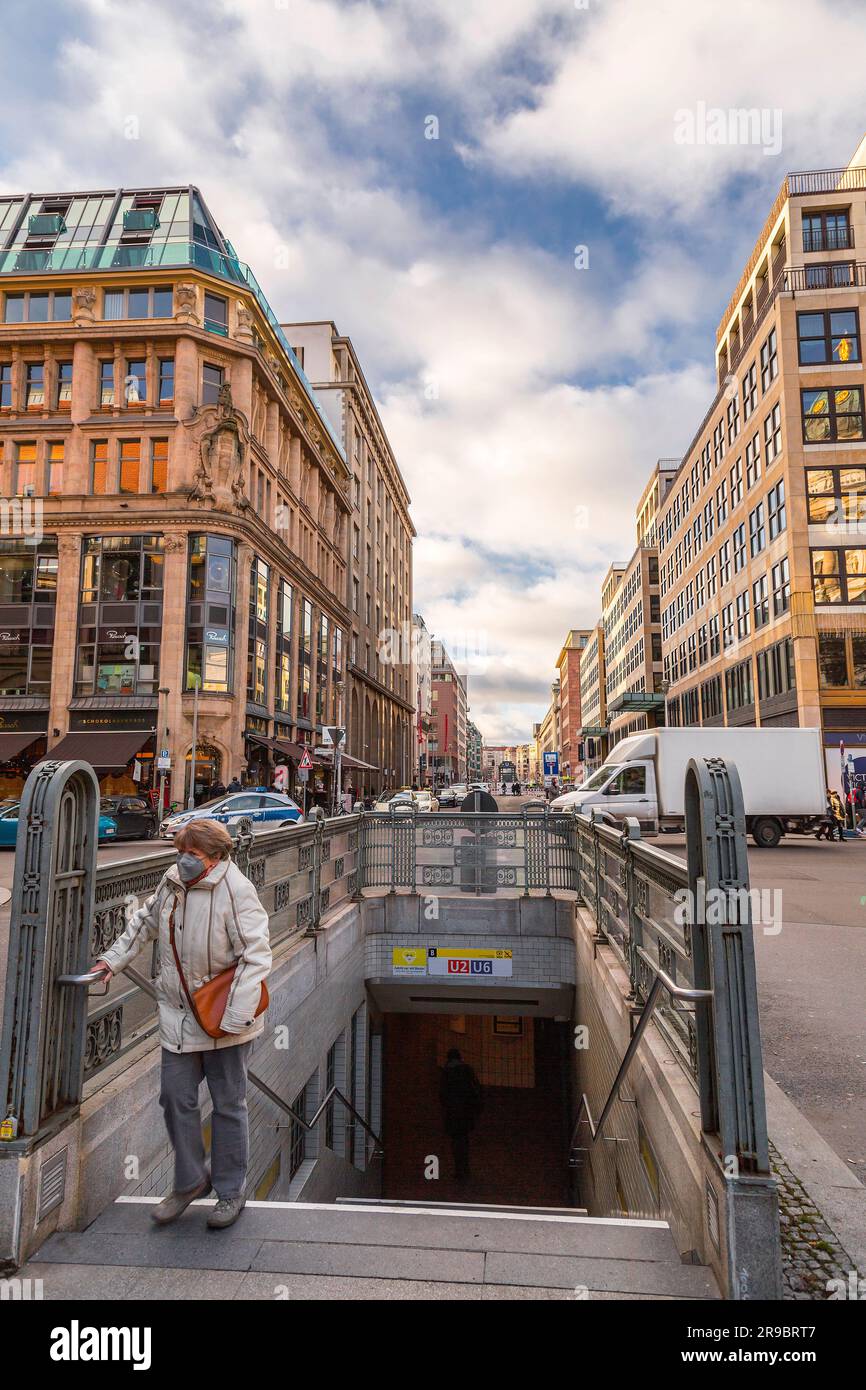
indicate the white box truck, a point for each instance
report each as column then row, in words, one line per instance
column 781, row 772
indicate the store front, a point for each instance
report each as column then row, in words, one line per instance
column 21, row 748
column 119, row 745
column 208, row 767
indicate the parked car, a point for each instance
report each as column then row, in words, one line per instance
column 134, row 817
column 9, row 826
column 447, row 797
column 425, row 800
column 262, row 808
column 395, row 801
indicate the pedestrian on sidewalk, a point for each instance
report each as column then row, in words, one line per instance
column 460, row 1094
column 207, row 917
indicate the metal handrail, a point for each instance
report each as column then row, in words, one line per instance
column 91, row 977
column 662, row 981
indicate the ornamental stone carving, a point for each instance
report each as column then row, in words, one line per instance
column 245, row 322
column 186, row 303
column 84, row 304
column 224, row 443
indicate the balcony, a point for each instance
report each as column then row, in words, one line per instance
column 828, row 238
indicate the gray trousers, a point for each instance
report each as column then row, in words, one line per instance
column 225, row 1070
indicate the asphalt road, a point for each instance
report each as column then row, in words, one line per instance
column 811, row 974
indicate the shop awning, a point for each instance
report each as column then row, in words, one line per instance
column 104, row 751
column 13, row 744
column 348, row 761
column 287, row 748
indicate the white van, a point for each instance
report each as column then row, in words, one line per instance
column 781, row 772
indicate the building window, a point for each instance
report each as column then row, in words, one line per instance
column 99, row 467
column 305, row 660
column 724, row 564
column 739, row 689
column 714, row 635
column 750, row 391
column 106, row 384
column 6, row 386
column 753, row 460
column 739, row 544
column 832, row 413
column 832, row 660
column 781, row 588
column 135, row 382
column 284, row 649
column 216, row 311
column 776, row 510
column 711, row 698
column 130, row 462
column 736, row 478
column 139, row 302
column 728, row 626
column 55, row 469
column 831, row 336
column 322, row 662
column 257, row 647
column 34, row 392
column 769, row 362
column 826, row 231
column 733, row 414
column 298, row 1137
column 836, row 496
column 212, row 379
column 743, row 618
column 721, row 503
column 120, row 616
column 159, row 465
column 761, row 602
column 35, row 307
column 64, row 386
column 28, row 576
column 210, row 614
column 776, row 674
column 25, row 470
column 165, row 378
column 757, row 530
column 839, row 575
column 773, row 434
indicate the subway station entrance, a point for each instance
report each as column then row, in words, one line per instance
column 518, row 1143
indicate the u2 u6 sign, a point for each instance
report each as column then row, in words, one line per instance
column 468, row 962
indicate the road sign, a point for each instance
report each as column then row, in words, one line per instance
column 303, row 774
column 306, row 763
column 331, row 735
column 163, row 762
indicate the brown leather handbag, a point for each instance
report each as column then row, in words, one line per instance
column 209, row 1002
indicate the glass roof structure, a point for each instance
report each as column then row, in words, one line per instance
column 129, row 229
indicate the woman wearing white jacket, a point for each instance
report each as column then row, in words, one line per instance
column 218, row 921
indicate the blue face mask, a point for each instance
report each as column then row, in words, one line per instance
column 189, row 866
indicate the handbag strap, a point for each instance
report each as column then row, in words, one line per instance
column 178, row 964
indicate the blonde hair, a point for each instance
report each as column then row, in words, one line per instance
column 208, row 837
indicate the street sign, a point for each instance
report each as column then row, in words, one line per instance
column 303, row 774
column 331, row 735
column 163, row 762
column 306, row 763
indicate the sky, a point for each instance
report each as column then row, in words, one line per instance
column 519, row 211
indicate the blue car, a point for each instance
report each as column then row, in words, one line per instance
column 9, row 825
column 262, row 808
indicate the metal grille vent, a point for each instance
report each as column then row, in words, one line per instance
column 52, row 1183
column 713, row 1216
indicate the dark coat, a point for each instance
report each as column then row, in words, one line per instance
column 460, row 1094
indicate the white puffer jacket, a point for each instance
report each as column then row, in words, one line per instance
column 218, row 921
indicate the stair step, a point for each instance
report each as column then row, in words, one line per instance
column 391, row 1202
column 547, row 1251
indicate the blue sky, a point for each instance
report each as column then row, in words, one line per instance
column 518, row 391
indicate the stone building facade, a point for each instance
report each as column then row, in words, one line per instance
column 191, row 499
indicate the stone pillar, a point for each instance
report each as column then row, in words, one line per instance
column 65, row 634
column 84, row 389
column 172, row 665
column 186, row 377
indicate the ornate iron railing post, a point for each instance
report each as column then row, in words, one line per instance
column 44, row 1024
